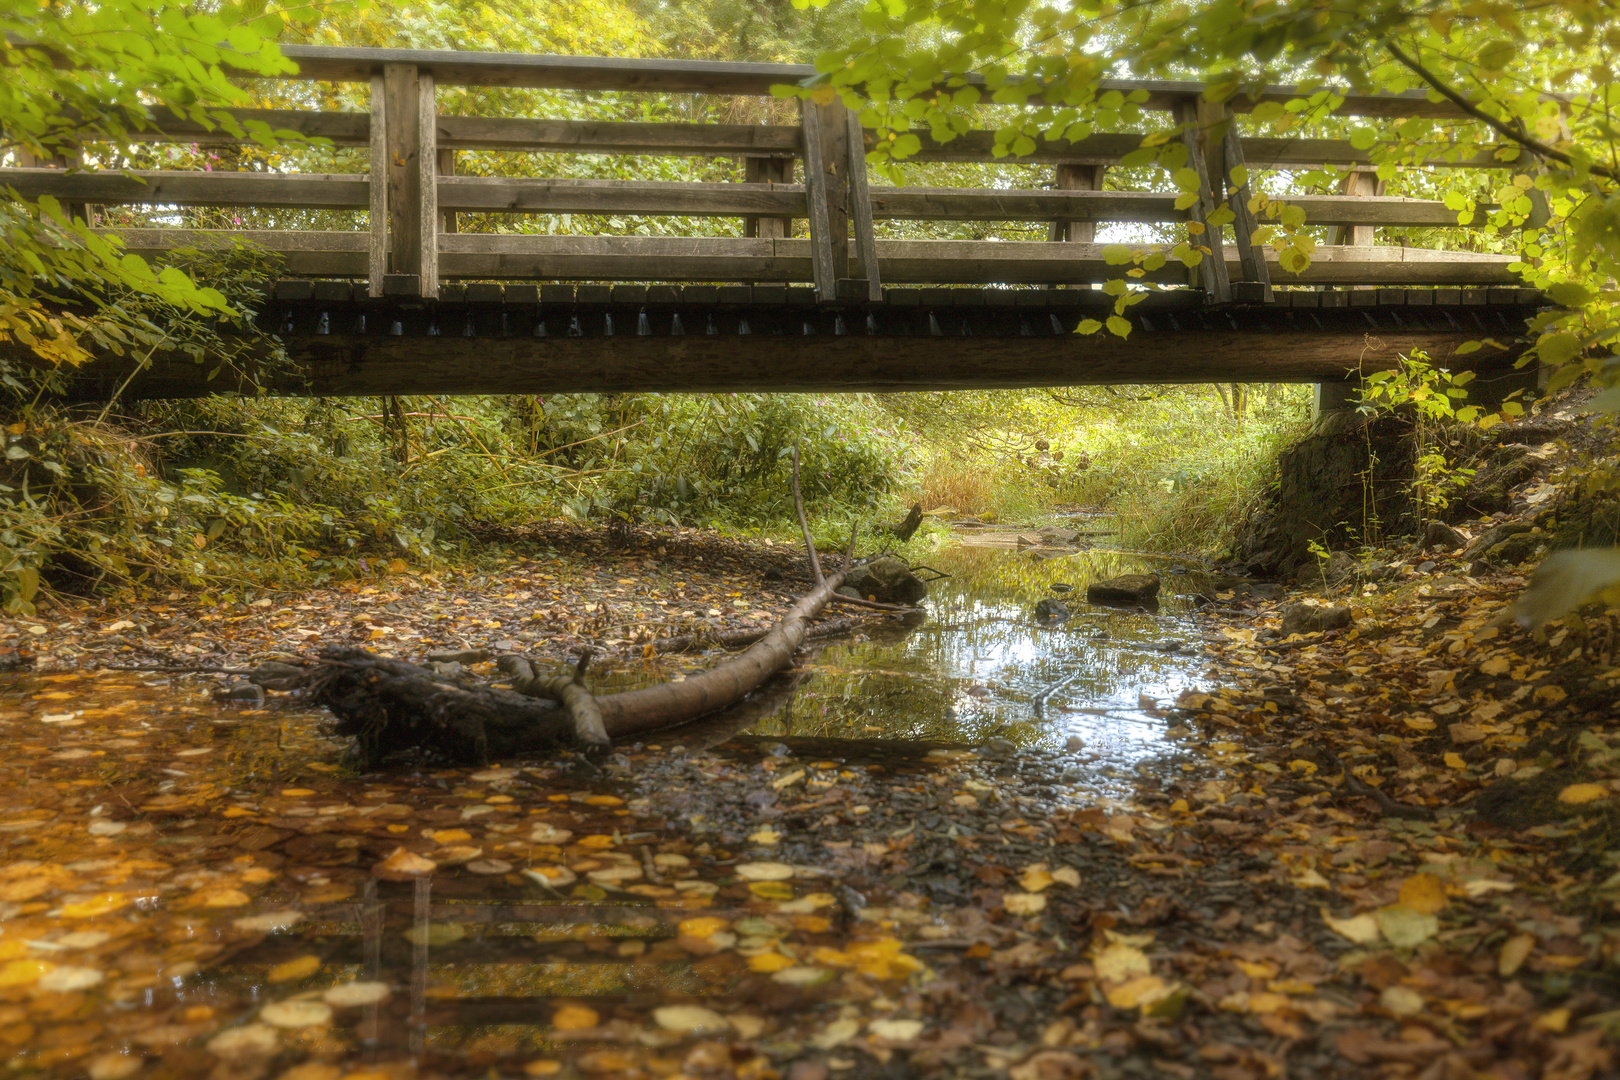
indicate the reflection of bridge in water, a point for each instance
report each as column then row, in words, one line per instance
column 408, row 301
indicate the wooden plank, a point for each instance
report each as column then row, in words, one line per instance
column 773, row 175
column 1250, row 257
column 377, row 189
column 343, row 128
column 636, row 258
column 1069, row 228
column 540, row 195
column 382, row 364
column 401, row 89
column 490, row 133
column 818, row 181
column 466, row 68
column 617, row 137
column 317, row 191
column 427, row 166
column 1212, row 272
column 447, row 167
column 860, row 207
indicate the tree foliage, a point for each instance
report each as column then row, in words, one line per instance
column 1535, row 82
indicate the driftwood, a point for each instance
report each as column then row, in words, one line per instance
column 389, row 705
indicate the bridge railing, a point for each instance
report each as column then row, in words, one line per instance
column 813, row 171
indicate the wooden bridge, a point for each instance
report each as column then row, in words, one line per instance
column 407, row 301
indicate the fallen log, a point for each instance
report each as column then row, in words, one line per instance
column 388, row 705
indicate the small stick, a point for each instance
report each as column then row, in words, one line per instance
column 857, row 601
column 849, row 552
column 804, row 523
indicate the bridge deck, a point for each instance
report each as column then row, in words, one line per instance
column 562, row 338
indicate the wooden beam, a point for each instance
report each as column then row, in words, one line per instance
column 860, row 206
column 1211, row 272
column 640, row 258
column 377, row 189
column 772, row 177
column 466, row 68
column 1251, row 257
column 427, row 181
column 482, row 133
column 447, row 167
column 381, row 364
column 311, row 191
column 827, row 196
column 402, row 90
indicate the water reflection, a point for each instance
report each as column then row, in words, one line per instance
column 981, row 667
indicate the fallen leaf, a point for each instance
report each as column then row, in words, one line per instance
column 356, row 994
column 763, row 871
column 574, row 1018
column 1515, row 951
column 1577, row 794
column 1405, row 928
column 690, row 1020
column 300, row 967
column 1119, row 961
column 1361, row 929
column 64, row 980
column 836, row 1034
column 1424, row 894
column 402, row 865
column 900, row 1031
column 296, row 1014
column 1401, row 1000
column 1023, row 903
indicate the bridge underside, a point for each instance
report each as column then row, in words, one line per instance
column 486, row 339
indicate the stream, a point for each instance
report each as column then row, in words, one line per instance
column 190, row 888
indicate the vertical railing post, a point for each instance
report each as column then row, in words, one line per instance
column 767, row 170
column 1251, row 257
column 860, row 207
column 1072, row 177
column 378, row 268
column 411, row 124
column 427, row 159
column 827, row 192
column 1212, row 270
column 75, row 211
column 447, row 167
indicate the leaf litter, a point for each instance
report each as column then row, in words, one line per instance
column 196, row 889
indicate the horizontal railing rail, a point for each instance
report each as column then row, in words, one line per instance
column 813, row 172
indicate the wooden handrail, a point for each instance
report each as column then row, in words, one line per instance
column 313, row 191
column 536, row 71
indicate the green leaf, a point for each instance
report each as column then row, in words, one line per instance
column 1117, row 255
column 1185, row 180
column 1606, row 402
column 1239, row 176
column 1186, row 199
column 1468, row 347
column 1088, row 326
column 1569, row 294
column 1567, row 580
column 1559, row 348
column 1118, row 326
column 1363, row 138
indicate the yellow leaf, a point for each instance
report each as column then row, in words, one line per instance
column 1035, row 878
column 769, row 963
column 1361, row 929
column 1023, row 903
column 574, row 1018
column 96, row 905
column 1423, row 894
column 297, row 968
column 1515, row 951
column 23, row 972
column 771, row 890
column 1455, row 761
column 764, row 871
column 1132, row 993
column 1119, row 961
column 1583, row 793
column 705, row 926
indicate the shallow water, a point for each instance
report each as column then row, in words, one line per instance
column 981, row 667
column 189, row 889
